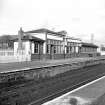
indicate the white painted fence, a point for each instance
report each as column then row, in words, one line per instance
column 6, row 52
column 7, row 56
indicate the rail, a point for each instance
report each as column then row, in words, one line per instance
column 61, row 92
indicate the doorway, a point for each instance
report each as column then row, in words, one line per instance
column 52, row 52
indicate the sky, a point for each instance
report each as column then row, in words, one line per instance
column 80, row 18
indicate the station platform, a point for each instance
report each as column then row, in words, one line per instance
column 6, row 67
column 47, row 68
column 90, row 94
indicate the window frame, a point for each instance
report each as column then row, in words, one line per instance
column 36, row 49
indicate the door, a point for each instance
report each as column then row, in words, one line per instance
column 52, row 52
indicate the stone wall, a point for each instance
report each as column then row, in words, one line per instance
column 46, row 71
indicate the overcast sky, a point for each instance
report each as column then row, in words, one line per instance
column 79, row 18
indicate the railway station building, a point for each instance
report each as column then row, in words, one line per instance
column 57, row 45
column 42, row 44
column 53, row 46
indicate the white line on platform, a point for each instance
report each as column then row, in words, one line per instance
column 73, row 91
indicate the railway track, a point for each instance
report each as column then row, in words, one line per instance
column 38, row 93
column 61, row 92
column 65, row 90
column 11, row 86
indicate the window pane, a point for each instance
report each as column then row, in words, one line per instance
column 36, row 49
column 48, row 49
column 54, row 49
column 67, row 50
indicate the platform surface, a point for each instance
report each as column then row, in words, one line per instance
column 33, row 64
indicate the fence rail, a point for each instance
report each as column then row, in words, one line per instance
column 6, row 52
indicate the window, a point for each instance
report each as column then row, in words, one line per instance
column 70, row 48
column 73, row 49
column 59, row 49
column 54, row 45
column 9, row 45
column 48, row 41
column 55, row 50
column 68, row 43
column 32, row 48
column 48, row 49
column 67, row 50
column 23, row 46
column 102, row 48
column 36, row 48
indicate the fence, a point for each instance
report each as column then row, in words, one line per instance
column 6, row 52
column 7, row 56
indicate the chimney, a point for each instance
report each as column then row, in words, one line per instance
column 20, row 35
column 92, row 38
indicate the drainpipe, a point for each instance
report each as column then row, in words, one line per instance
column 45, row 46
column 64, row 46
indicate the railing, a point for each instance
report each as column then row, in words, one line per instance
column 7, row 52
column 21, row 52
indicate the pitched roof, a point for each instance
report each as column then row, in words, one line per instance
column 68, row 37
column 30, row 37
column 44, row 30
column 89, row 45
column 6, row 38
